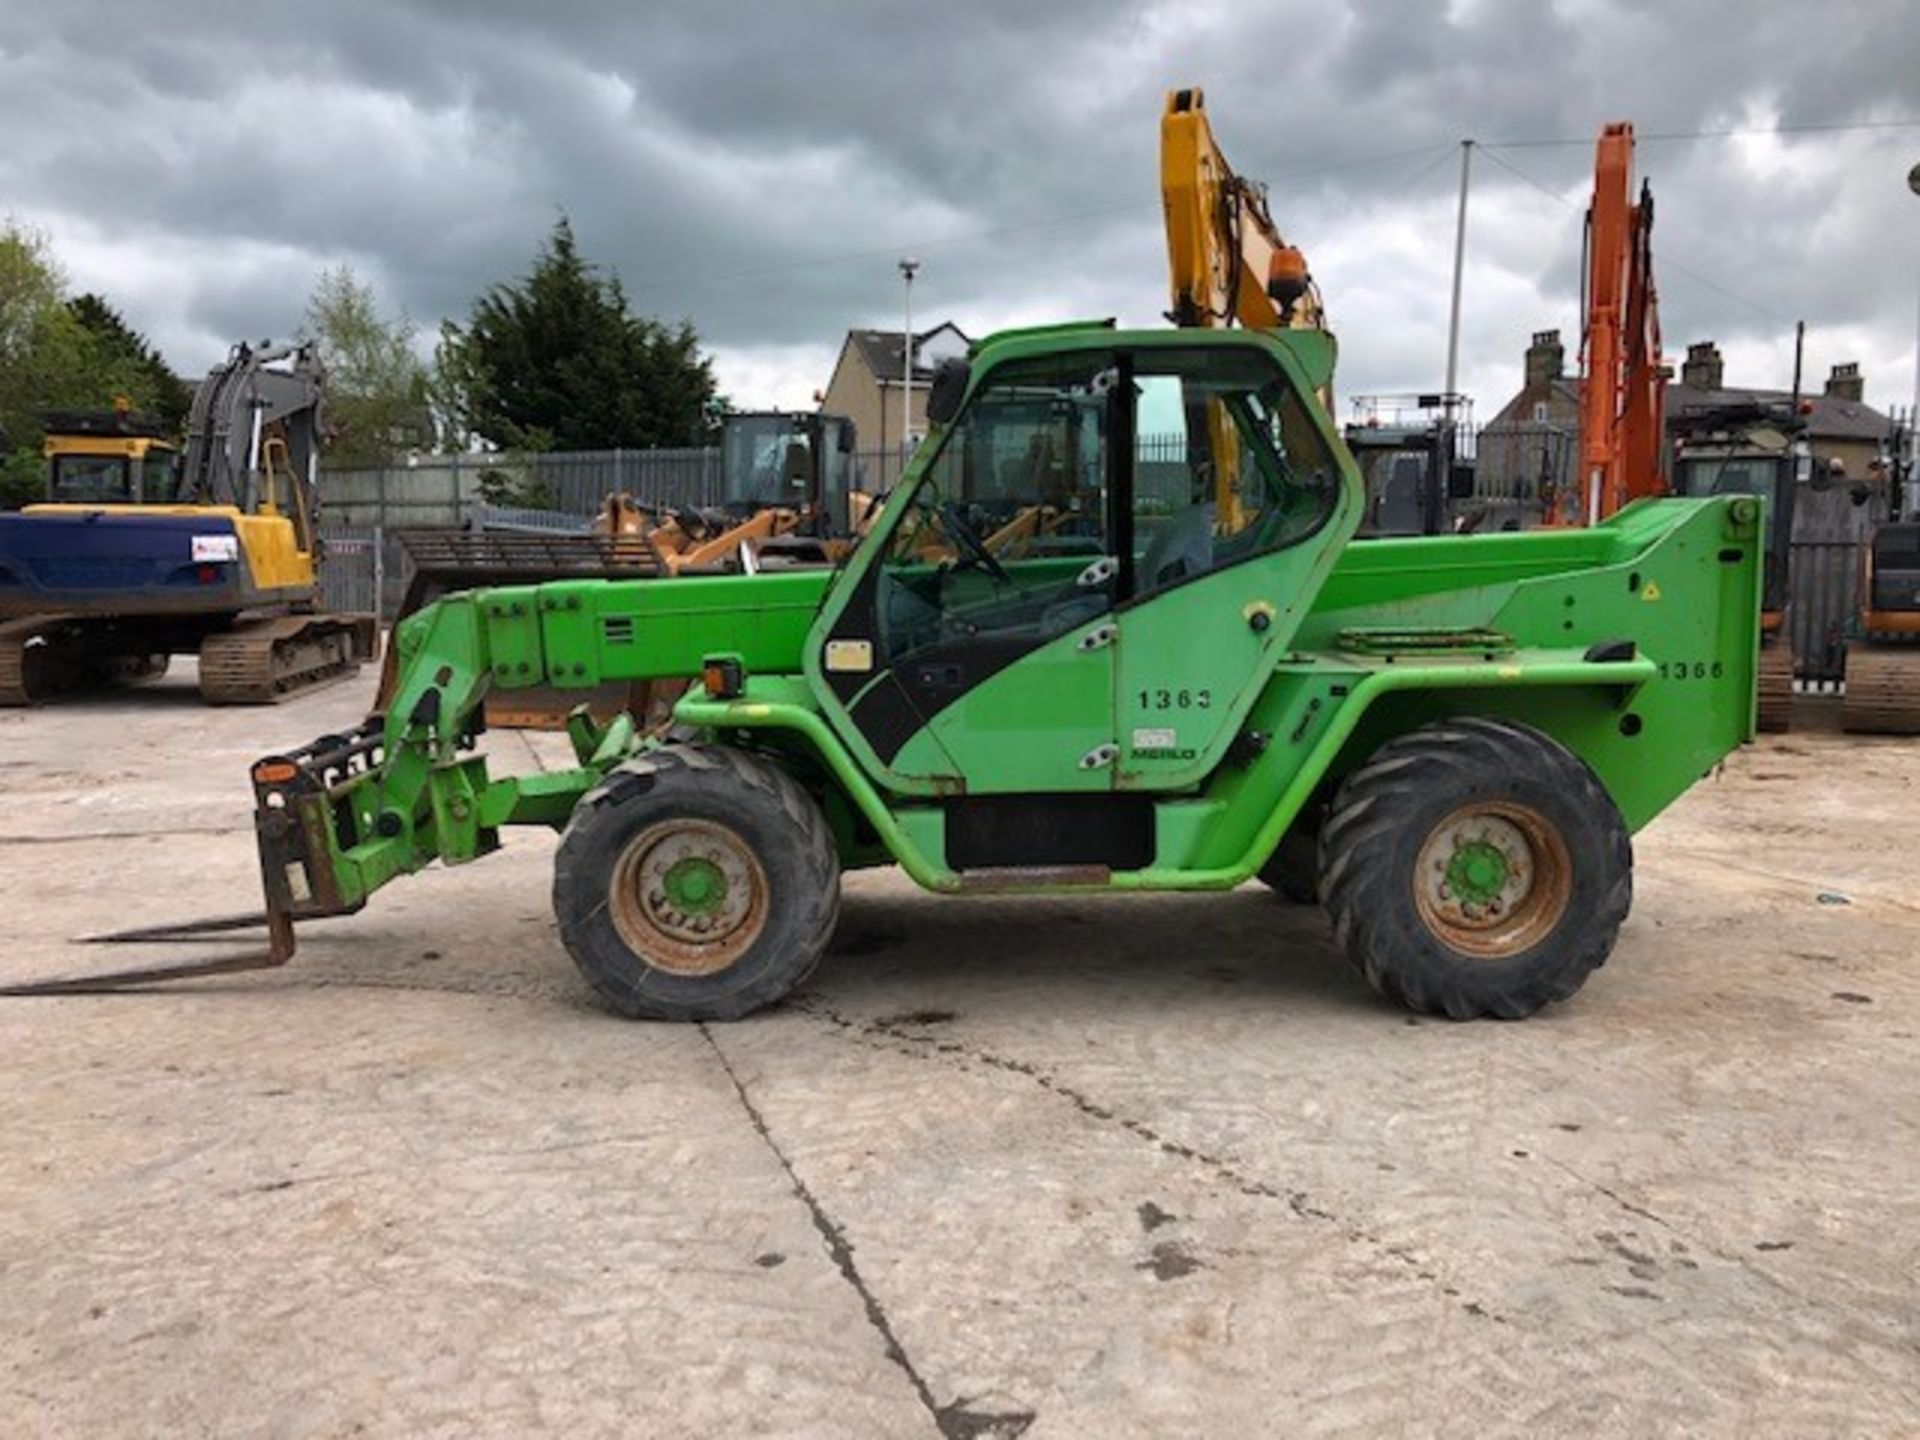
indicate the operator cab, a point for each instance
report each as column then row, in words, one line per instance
column 108, row 457
column 1070, row 489
column 1747, row 449
column 788, row 461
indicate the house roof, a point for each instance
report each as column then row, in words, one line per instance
column 1829, row 417
column 881, row 349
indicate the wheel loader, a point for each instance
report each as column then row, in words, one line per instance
column 1448, row 740
column 132, row 561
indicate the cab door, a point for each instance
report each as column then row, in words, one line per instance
column 1239, row 509
column 975, row 654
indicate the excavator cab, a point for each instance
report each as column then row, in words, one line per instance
column 107, row 457
column 1752, row 449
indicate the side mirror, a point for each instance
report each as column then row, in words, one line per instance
column 949, row 388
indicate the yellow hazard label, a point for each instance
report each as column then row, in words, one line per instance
column 1650, row 591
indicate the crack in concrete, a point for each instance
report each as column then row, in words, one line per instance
column 1298, row 1202
column 955, row 1421
column 80, row 837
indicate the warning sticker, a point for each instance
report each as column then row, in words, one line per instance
column 210, row 548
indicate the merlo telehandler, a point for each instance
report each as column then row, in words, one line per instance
column 1456, row 736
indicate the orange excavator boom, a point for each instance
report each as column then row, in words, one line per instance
column 1623, row 408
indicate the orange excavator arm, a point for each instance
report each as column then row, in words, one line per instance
column 1623, row 408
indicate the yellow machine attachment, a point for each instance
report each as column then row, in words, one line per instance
column 1227, row 265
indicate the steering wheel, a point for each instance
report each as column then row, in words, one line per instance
column 969, row 540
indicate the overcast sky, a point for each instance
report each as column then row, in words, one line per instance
column 758, row 169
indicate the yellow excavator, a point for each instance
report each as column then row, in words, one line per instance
column 135, row 558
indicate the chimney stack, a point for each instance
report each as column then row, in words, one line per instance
column 1546, row 358
column 1846, row 383
column 1704, row 369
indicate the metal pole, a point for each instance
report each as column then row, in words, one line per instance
column 379, row 576
column 1910, row 502
column 1459, row 263
column 907, row 267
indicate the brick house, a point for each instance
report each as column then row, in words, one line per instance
column 1536, row 433
column 867, row 379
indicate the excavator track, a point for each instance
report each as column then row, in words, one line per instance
column 41, row 657
column 1775, row 710
column 264, row 661
column 1883, row 690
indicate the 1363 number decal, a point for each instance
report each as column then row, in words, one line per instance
column 1176, row 699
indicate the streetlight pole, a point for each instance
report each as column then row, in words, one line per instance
column 907, row 267
column 1459, row 265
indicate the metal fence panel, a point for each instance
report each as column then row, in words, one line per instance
column 444, row 489
column 1825, row 586
column 349, row 568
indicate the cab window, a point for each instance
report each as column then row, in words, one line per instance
column 1006, row 537
column 1231, row 465
column 93, row 480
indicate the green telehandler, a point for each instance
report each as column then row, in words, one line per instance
column 1111, row 632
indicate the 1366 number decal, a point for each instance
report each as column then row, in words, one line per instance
column 1691, row 669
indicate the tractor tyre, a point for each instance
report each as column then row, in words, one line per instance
column 1293, row 871
column 696, row 883
column 1475, row 867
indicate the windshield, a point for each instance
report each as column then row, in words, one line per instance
column 766, row 460
column 93, row 480
column 1733, row 474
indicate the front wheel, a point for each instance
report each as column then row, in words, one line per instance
column 696, row 883
column 1475, row 867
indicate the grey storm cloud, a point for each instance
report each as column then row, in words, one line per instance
column 757, row 167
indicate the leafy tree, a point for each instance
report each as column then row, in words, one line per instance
column 377, row 401
column 49, row 359
column 121, row 348
column 557, row 361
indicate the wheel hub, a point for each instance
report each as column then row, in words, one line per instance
column 688, row 896
column 1492, row 878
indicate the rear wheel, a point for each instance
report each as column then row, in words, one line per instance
column 696, row 883
column 1475, row 867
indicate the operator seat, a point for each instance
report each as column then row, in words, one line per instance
column 1181, row 548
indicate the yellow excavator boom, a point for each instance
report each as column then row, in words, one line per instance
column 1228, row 263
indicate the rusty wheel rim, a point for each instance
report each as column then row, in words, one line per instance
column 1493, row 879
column 688, row 897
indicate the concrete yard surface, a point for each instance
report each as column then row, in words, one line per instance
column 1156, row 1166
